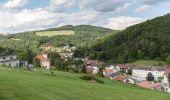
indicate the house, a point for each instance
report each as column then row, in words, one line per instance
column 130, row 80
column 92, row 70
column 165, row 82
column 120, row 78
column 149, row 85
column 142, row 72
column 44, row 60
column 9, row 60
column 92, row 65
column 121, row 67
column 110, row 73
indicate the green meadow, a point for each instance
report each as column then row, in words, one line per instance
column 24, row 85
column 55, row 33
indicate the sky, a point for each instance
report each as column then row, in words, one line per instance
column 28, row 15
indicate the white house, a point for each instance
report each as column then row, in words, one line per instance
column 165, row 81
column 143, row 72
column 9, row 60
column 44, row 60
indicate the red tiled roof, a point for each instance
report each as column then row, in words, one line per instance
column 42, row 58
column 149, row 85
column 120, row 78
column 88, row 62
column 167, row 71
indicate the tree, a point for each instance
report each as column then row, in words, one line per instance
column 150, row 77
column 36, row 63
column 168, row 60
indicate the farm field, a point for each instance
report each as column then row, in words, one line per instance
column 23, row 85
column 55, row 33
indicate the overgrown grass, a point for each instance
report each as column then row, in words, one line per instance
column 55, row 33
column 23, row 85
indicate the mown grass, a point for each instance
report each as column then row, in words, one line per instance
column 149, row 63
column 21, row 85
column 55, row 33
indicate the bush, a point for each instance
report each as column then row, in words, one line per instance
column 86, row 77
column 99, row 80
column 89, row 78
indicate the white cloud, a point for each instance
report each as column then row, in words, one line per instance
column 122, row 22
column 12, row 4
column 142, row 8
column 93, row 12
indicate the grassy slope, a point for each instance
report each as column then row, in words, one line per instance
column 55, row 33
column 149, row 62
column 18, row 85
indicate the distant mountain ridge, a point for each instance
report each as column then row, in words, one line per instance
column 84, row 34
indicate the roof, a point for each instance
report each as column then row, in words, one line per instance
column 149, row 85
column 112, row 75
column 121, row 66
column 42, row 58
column 120, row 78
column 167, row 71
column 88, row 62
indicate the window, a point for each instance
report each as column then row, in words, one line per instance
column 11, row 57
column 4, row 58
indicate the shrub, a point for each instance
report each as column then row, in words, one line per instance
column 99, row 80
column 86, row 77
column 89, row 78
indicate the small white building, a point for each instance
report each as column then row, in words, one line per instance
column 9, row 60
column 44, row 60
column 143, row 72
column 165, row 81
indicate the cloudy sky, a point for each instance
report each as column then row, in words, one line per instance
column 25, row 15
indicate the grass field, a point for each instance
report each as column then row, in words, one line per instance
column 20, row 85
column 55, row 33
column 149, row 62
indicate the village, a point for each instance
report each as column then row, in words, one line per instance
column 148, row 77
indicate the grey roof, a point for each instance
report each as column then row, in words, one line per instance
column 112, row 75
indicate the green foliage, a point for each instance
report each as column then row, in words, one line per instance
column 98, row 80
column 150, row 77
column 168, row 60
column 86, row 77
column 148, row 40
column 27, row 55
column 21, row 85
column 90, row 78
column 84, row 34
column 36, row 63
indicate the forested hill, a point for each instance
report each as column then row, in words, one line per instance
column 83, row 35
column 148, row 40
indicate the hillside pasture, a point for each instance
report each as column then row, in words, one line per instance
column 55, row 33
column 23, row 85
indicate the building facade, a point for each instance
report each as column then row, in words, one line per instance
column 143, row 72
column 9, row 60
